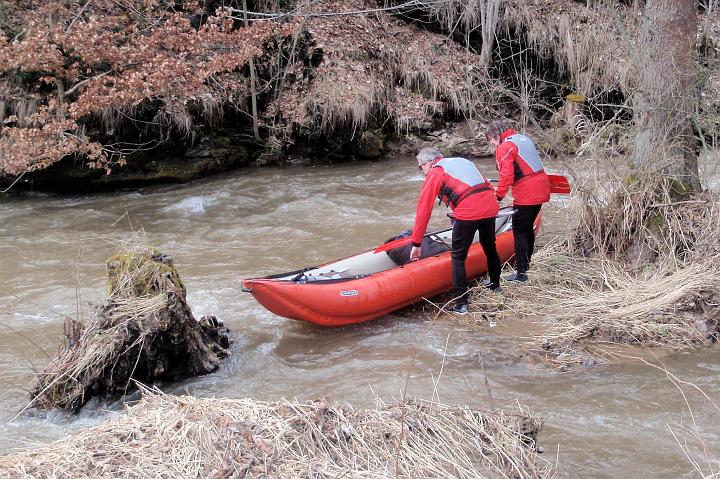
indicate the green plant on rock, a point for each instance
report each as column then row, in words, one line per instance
column 143, row 273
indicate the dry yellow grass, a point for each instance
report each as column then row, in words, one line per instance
column 672, row 303
column 187, row 437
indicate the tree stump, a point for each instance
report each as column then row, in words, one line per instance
column 144, row 332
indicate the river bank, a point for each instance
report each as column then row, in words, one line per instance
column 188, row 437
column 223, row 151
column 340, row 80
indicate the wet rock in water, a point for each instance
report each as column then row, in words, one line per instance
column 144, row 332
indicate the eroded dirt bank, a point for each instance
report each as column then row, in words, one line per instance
column 332, row 81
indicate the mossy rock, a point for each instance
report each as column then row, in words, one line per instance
column 655, row 222
column 143, row 333
column 371, row 144
column 566, row 140
column 143, row 273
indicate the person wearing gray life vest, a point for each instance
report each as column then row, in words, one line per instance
column 521, row 168
column 458, row 183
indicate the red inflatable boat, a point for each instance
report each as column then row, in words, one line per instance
column 368, row 285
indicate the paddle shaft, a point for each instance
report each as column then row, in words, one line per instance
column 403, row 241
column 558, row 184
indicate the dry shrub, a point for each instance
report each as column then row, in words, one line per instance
column 592, row 44
column 169, row 436
column 129, row 58
column 642, row 216
column 639, row 214
column 612, row 213
column 144, row 331
column 375, row 68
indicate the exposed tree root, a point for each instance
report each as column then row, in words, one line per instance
column 143, row 332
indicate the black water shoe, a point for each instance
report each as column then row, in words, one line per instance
column 494, row 287
column 516, row 278
column 460, row 308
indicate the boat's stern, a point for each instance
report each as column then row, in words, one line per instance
column 274, row 295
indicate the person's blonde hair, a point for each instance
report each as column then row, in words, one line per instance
column 427, row 155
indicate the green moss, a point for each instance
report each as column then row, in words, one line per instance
column 169, row 171
column 223, row 142
column 371, row 144
column 661, row 330
column 630, row 179
column 576, row 98
column 566, row 139
column 543, row 145
column 142, row 273
column 680, row 190
column 217, row 152
column 655, row 222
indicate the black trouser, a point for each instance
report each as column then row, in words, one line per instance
column 462, row 237
column 524, row 234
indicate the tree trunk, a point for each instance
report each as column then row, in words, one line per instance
column 253, row 79
column 666, row 97
column 489, row 21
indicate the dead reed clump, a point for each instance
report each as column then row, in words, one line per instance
column 169, row 436
column 679, row 309
column 586, row 301
column 144, row 331
column 653, row 251
column 553, row 269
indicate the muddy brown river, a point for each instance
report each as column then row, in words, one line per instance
column 604, row 421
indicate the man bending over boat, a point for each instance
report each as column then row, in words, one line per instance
column 458, row 183
column 520, row 166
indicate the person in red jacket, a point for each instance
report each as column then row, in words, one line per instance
column 520, row 166
column 459, row 184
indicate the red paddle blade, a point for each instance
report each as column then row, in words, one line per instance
column 559, row 184
column 392, row 244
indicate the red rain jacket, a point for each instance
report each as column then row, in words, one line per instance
column 462, row 178
column 520, row 166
